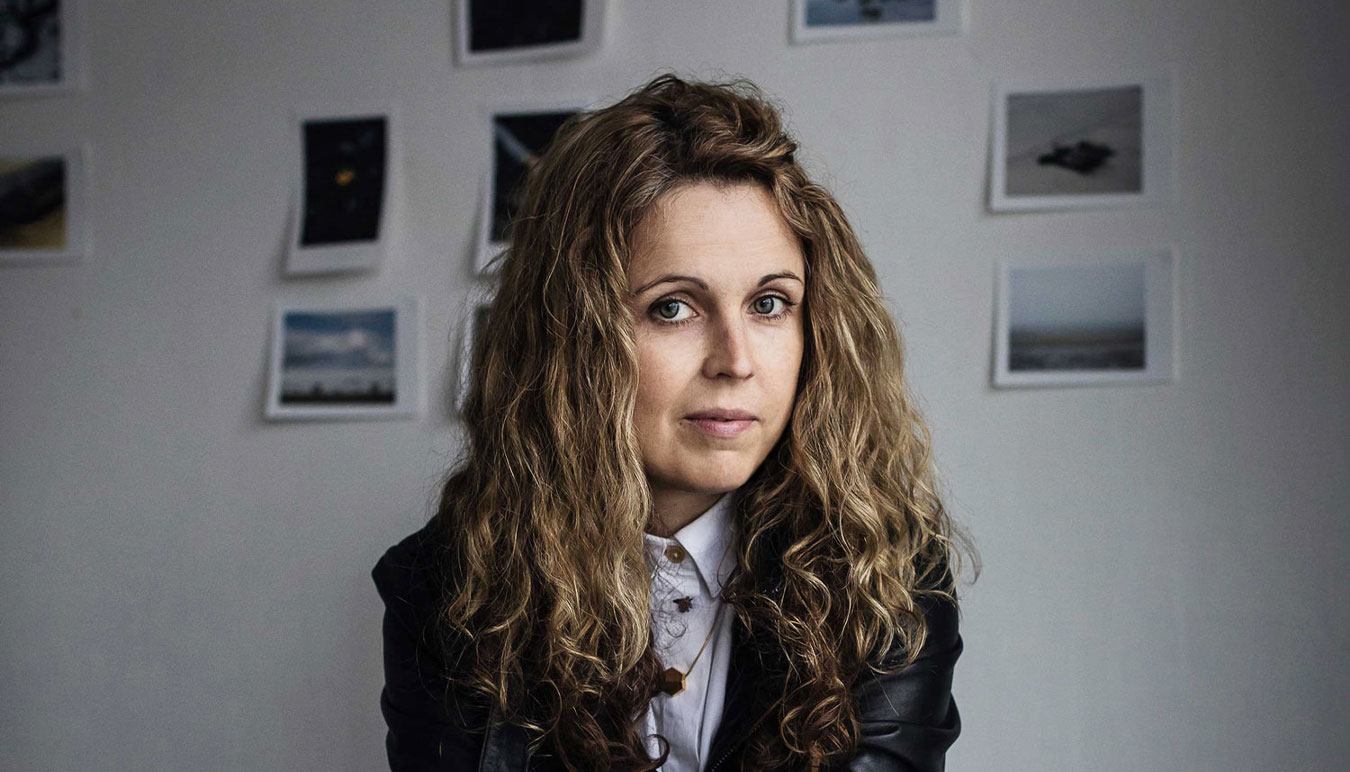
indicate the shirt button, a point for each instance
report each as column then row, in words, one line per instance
column 675, row 553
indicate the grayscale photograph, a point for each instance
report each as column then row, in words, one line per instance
column 1083, row 322
column 1081, row 145
column 1075, row 142
column 31, row 44
column 815, row 20
column 1077, row 318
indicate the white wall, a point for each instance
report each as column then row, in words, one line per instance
column 186, row 587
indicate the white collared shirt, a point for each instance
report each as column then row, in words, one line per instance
column 688, row 571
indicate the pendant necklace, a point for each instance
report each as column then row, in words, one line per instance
column 672, row 681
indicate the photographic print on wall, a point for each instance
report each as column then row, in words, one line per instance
column 343, row 184
column 497, row 31
column 39, row 46
column 1081, row 144
column 519, row 135
column 351, row 360
column 1076, row 321
column 815, row 20
column 42, row 213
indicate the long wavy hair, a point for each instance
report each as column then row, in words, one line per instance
column 546, row 597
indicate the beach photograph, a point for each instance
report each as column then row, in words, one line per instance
column 339, row 358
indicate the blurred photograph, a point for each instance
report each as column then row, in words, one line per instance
column 344, row 180
column 518, row 138
column 492, row 31
column 40, row 216
column 35, row 46
column 32, row 203
column 1087, row 141
column 1067, row 147
column 815, row 20
column 343, row 193
column 342, row 362
column 1085, row 322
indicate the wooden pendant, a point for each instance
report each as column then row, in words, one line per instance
column 672, row 681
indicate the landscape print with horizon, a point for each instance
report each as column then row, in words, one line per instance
column 339, row 358
column 821, row 13
column 1077, row 318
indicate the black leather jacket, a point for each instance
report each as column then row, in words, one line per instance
column 908, row 719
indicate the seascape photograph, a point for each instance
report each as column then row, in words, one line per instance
column 821, row 13
column 1077, row 318
column 339, row 358
column 842, row 20
column 1063, row 322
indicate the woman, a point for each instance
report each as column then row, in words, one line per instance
column 697, row 527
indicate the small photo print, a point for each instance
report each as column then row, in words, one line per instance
column 343, row 362
column 344, row 192
column 40, row 212
column 1085, row 322
column 36, row 46
column 494, row 31
column 815, row 20
column 518, row 139
column 1095, row 145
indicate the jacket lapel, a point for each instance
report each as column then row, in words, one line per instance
column 751, row 691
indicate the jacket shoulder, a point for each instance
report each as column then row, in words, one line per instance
column 407, row 577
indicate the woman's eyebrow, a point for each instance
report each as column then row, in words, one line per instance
column 703, row 285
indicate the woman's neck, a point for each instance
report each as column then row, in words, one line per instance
column 675, row 509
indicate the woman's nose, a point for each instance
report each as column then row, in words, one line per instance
column 728, row 350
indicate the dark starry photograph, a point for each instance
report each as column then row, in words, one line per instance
column 503, row 25
column 345, row 164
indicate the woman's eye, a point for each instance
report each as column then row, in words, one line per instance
column 767, row 310
column 667, row 309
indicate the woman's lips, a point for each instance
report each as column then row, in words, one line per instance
column 719, row 428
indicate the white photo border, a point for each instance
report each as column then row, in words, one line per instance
column 1160, row 319
column 949, row 19
column 592, row 34
column 407, row 363
column 485, row 249
column 72, row 57
column 342, row 258
column 79, row 243
column 1158, row 142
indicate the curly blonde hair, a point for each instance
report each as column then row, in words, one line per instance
column 546, row 609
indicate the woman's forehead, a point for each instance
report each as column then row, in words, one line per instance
column 729, row 230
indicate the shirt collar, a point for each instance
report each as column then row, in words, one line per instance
column 707, row 539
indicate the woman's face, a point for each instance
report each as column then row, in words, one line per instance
column 717, row 287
